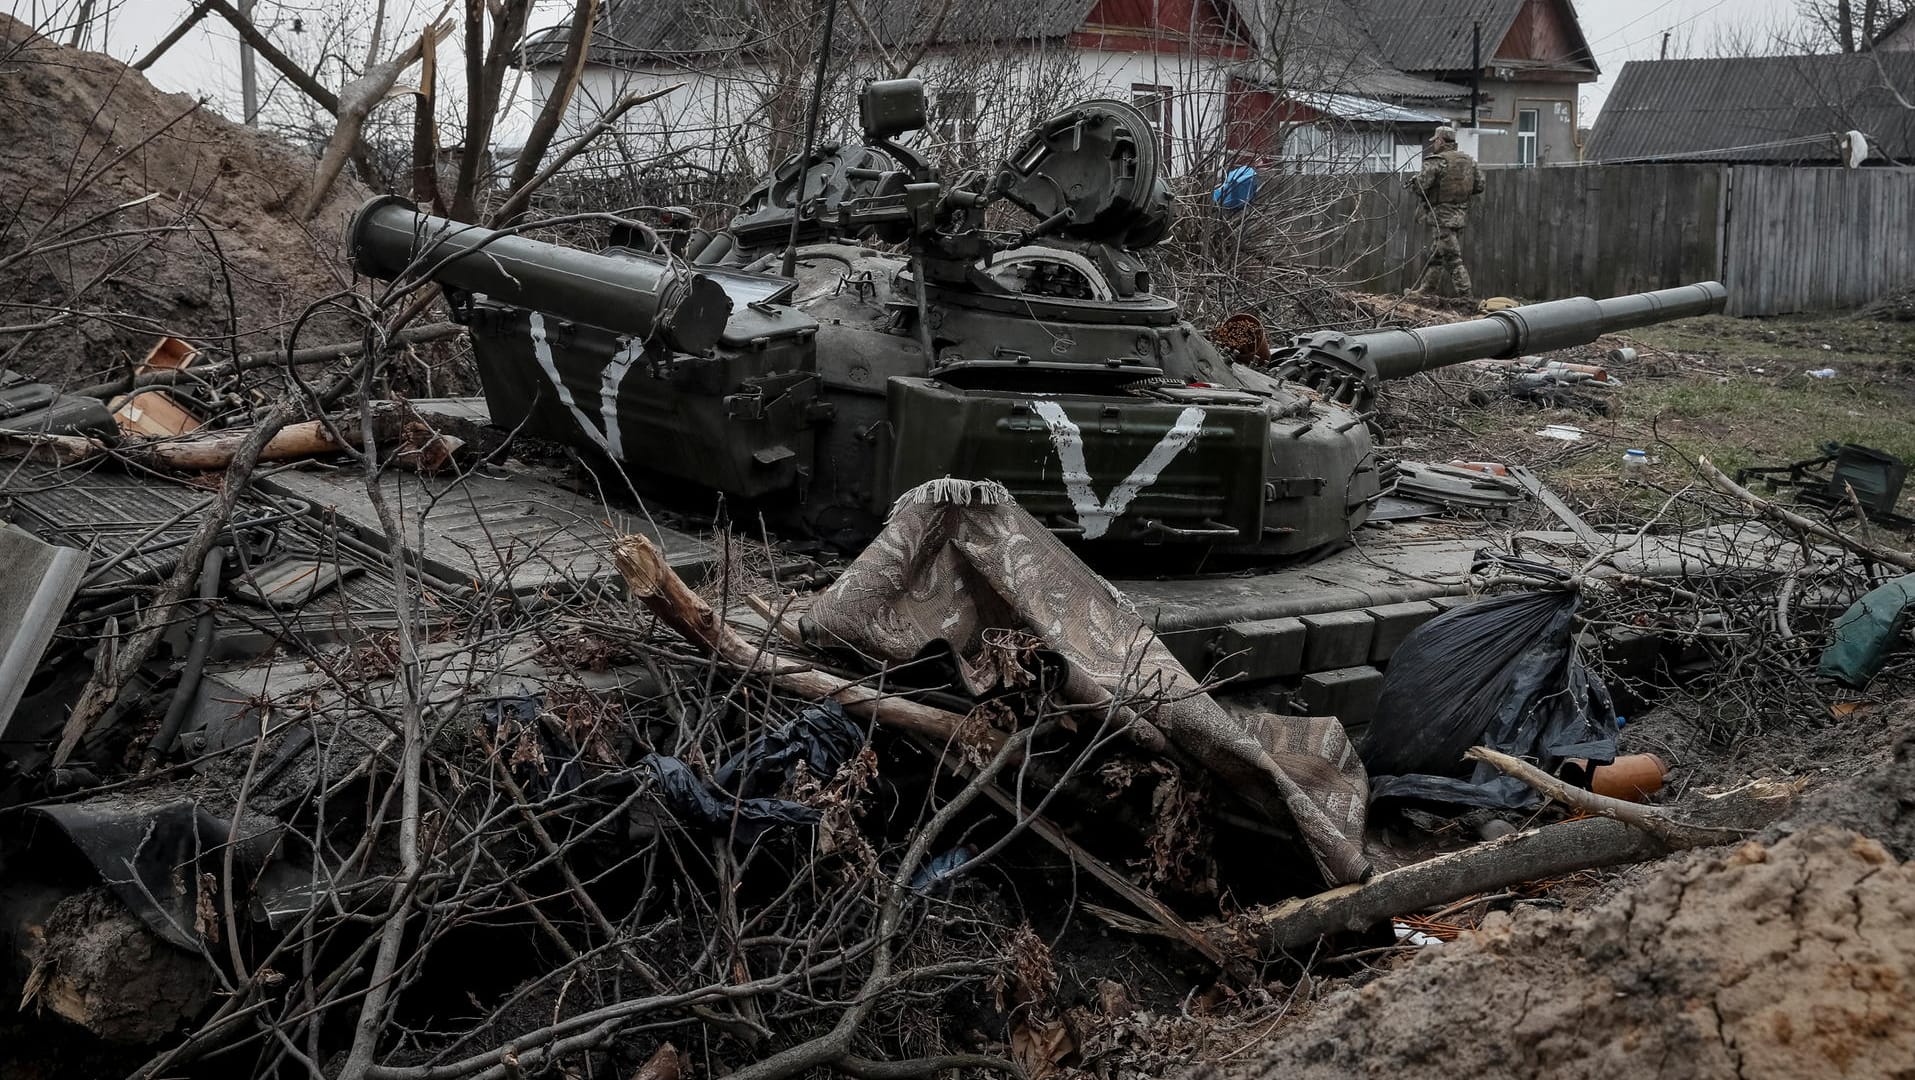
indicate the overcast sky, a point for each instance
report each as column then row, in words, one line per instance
column 205, row 62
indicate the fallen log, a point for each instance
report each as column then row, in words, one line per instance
column 1536, row 855
column 426, row 452
column 653, row 582
column 91, row 961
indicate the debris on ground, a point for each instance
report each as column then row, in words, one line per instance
column 1503, row 673
column 352, row 732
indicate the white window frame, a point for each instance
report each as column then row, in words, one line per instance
column 1156, row 101
column 1528, row 142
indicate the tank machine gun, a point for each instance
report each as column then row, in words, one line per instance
column 916, row 340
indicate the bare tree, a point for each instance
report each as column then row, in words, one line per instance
column 1844, row 25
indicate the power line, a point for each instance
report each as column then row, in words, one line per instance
column 1657, row 33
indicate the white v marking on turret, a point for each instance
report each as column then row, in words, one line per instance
column 1095, row 514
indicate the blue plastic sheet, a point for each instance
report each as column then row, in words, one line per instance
column 1238, row 188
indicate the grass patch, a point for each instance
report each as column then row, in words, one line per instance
column 1734, row 390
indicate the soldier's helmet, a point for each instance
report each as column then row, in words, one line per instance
column 1444, row 135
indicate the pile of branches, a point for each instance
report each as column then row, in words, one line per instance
column 1744, row 594
column 470, row 880
column 500, row 884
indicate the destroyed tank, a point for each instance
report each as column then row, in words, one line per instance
column 864, row 325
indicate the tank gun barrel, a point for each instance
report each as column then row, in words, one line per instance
column 642, row 297
column 1534, row 328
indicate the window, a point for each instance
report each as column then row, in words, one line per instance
column 1154, row 102
column 1526, row 122
column 954, row 112
column 1319, row 150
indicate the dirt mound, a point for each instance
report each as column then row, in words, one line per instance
column 1878, row 796
column 1895, row 306
column 1791, row 960
column 1860, row 763
column 81, row 134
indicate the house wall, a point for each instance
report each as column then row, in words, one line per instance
column 722, row 118
column 1526, row 70
column 1556, row 114
column 1270, row 132
column 1541, row 33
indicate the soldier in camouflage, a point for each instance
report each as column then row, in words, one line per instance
column 1445, row 186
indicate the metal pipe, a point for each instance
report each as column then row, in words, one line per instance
column 389, row 238
column 1475, row 72
column 1533, row 328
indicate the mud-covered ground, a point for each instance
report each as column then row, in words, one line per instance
column 128, row 213
column 1790, row 958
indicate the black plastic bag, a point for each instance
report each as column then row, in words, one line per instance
column 1502, row 673
column 698, row 805
column 737, row 802
column 823, row 737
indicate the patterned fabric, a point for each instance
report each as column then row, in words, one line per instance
column 959, row 559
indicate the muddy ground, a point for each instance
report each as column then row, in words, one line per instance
column 132, row 213
column 1792, row 958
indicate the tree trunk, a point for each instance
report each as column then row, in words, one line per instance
column 571, row 69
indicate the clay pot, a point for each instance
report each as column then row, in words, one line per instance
column 1632, row 777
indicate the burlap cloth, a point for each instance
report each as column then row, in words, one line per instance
column 960, row 558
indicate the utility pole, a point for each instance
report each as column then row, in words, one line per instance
column 1665, row 45
column 248, row 76
column 1475, row 71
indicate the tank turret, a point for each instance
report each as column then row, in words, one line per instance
column 912, row 338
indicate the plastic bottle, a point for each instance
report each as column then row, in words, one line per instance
column 1635, row 465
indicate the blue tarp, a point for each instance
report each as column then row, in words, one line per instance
column 1238, row 188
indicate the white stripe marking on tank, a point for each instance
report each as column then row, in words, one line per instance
column 610, row 439
column 609, row 381
column 1095, row 515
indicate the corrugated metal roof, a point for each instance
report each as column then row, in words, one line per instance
column 1321, row 45
column 1757, row 109
column 1435, row 35
column 1360, row 75
column 1364, row 110
column 632, row 30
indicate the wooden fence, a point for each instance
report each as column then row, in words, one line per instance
column 1781, row 239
